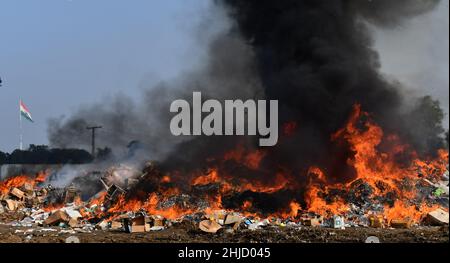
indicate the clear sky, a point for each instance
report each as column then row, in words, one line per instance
column 58, row 54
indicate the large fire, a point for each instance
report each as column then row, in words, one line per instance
column 378, row 169
column 22, row 180
column 385, row 186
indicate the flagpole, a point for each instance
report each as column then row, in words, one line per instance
column 20, row 121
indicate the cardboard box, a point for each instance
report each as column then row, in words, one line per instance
column 116, row 225
column 209, row 226
column 158, row 220
column 11, row 204
column 315, row 221
column 28, row 187
column 56, row 218
column 137, row 224
column 401, row 223
column 232, row 219
column 17, row 193
column 73, row 222
column 438, row 217
column 70, row 195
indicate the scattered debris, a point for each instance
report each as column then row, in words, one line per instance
column 63, row 208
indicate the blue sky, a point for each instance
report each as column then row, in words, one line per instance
column 58, row 54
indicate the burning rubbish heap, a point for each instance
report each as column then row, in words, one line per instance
column 384, row 193
column 384, row 166
column 110, row 210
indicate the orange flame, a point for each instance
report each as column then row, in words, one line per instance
column 375, row 167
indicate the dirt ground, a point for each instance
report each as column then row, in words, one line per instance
column 186, row 232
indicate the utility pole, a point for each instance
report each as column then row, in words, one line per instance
column 93, row 129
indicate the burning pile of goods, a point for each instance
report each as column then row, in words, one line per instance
column 383, row 193
column 109, row 210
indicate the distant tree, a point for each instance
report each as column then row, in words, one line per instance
column 16, row 157
column 42, row 154
column 426, row 125
column 3, row 157
column 72, row 156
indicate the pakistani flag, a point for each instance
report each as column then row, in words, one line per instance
column 24, row 112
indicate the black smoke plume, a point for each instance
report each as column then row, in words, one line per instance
column 317, row 59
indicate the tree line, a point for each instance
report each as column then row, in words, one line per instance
column 42, row 154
